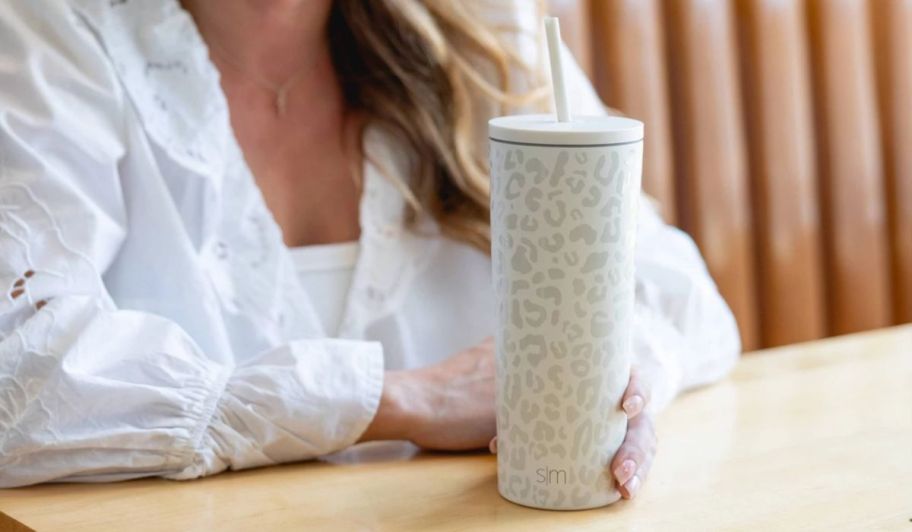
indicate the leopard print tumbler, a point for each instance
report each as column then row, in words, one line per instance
column 563, row 218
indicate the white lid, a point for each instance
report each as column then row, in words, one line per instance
column 580, row 131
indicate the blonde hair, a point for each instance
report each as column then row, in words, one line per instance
column 433, row 72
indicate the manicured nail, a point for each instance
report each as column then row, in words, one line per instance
column 633, row 486
column 625, row 471
column 633, row 405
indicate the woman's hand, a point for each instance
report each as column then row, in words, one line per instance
column 450, row 406
column 447, row 406
column 633, row 460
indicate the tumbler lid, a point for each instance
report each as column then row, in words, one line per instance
column 545, row 130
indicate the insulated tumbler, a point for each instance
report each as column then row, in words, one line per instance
column 563, row 219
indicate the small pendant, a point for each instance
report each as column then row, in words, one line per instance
column 281, row 101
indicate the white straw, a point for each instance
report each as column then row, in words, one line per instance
column 552, row 30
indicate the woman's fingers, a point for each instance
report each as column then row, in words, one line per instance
column 633, row 460
column 637, row 395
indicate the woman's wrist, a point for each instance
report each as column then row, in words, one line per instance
column 398, row 412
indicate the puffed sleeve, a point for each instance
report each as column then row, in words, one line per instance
column 91, row 392
column 684, row 333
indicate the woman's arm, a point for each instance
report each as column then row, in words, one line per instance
column 89, row 391
column 684, row 333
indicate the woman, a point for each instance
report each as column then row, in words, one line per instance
column 242, row 233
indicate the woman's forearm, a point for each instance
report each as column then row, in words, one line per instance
column 449, row 405
column 395, row 412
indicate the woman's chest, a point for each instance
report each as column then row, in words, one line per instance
column 305, row 168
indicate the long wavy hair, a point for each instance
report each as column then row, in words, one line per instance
column 433, row 72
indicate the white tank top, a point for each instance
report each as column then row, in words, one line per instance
column 326, row 271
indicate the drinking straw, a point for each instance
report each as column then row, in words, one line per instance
column 552, row 30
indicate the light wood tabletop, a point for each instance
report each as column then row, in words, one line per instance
column 813, row 436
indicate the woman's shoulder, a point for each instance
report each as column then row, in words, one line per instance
column 97, row 40
column 516, row 25
column 48, row 44
column 54, row 72
column 33, row 27
column 114, row 64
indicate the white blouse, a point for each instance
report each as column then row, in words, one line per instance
column 151, row 321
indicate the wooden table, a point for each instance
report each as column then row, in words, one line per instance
column 814, row 436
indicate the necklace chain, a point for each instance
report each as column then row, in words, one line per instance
column 280, row 90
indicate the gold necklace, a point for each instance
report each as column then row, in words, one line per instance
column 280, row 90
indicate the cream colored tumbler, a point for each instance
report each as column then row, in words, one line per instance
column 563, row 218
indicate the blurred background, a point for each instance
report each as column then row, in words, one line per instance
column 779, row 135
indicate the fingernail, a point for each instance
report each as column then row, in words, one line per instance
column 633, row 486
column 493, row 446
column 633, row 405
column 625, row 471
